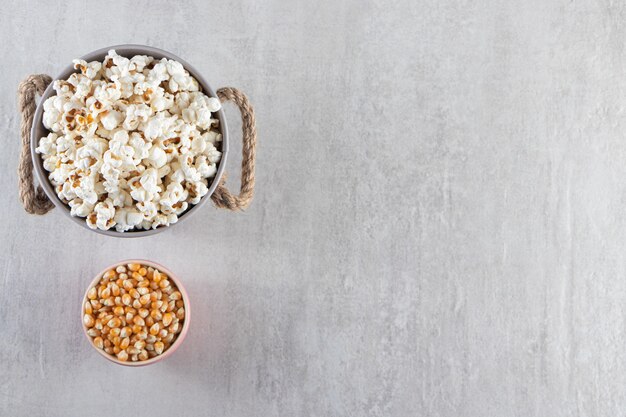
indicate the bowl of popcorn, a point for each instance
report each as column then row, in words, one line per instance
column 135, row 313
column 129, row 140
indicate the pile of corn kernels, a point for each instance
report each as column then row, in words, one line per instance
column 135, row 312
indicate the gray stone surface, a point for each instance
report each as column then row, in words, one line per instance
column 439, row 227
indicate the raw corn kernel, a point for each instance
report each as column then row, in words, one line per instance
column 133, row 318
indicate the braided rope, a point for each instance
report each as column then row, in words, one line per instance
column 33, row 199
column 223, row 198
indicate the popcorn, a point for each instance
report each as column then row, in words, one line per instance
column 141, row 147
column 80, row 208
column 156, row 157
column 132, row 142
column 91, row 69
column 105, row 211
column 111, row 119
column 135, row 114
column 126, row 219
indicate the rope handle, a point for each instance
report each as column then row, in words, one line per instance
column 223, row 198
column 35, row 200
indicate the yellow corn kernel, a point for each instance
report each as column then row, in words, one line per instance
column 156, row 276
column 163, row 333
column 92, row 293
column 180, row 313
column 109, row 274
column 109, row 350
column 144, row 299
column 134, row 293
column 126, row 331
column 139, row 321
column 137, row 276
column 158, row 347
column 176, row 295
column 154, row 329
column 137, row 328
column 88, row 308
column 114, row 332
column 127, row 284
column 124, row 343
column 142, row 335
column 174, row 328
column 134, row 267
column 115, row 289
column 164, row 283
column 88, row 320
column 143, row 355
column 143, row 271
column 114, row 322
column 120, row 269
column 144, row 284
column 149, row 347
column 129, row 317
column 105, row 293
column 167, row 319
column 118, row 301
column 122, row 355
column 137, row 304
column 118, row 311
column 98, row 342
column 93, row 332
column 168, row 338
column 149, row 321
column 126, row 299
column 156, row 314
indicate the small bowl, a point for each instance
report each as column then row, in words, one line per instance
column 38, row 131
column 181, row 335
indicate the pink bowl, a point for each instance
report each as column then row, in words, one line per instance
column 181, row 335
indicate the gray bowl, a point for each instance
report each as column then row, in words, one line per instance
column 38, row 131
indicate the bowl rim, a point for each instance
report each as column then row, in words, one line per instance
column 181, row 335
column 126, row 50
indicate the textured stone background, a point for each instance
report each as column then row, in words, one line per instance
column 439, row 227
